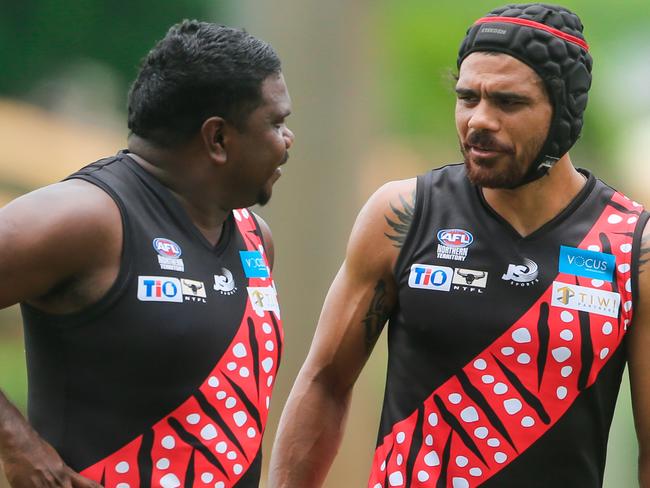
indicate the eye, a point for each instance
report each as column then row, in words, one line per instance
column 467, row 99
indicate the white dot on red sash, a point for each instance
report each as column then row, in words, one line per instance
column 521, row 336
column 567, row 335
column 170, row 481
column 566, row 316
column 614, row 219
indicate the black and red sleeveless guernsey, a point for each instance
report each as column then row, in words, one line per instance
column 166, row 382
column 506, row 353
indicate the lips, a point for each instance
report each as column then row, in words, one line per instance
column 484, row 152
column 483, row 144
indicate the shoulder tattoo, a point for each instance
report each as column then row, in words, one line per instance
column 400, row 219
column 376, row 315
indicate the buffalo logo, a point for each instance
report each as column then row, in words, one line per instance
column 469, row 280
column 193, row 291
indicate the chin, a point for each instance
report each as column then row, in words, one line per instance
column 488, row 176
column 263, row 197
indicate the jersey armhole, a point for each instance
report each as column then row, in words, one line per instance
column 117, row 288
column 258, row 227
column 636, row 254
column 423, row 183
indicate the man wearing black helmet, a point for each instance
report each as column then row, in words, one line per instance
column 510, row 283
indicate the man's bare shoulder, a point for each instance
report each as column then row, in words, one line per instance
column 68, row 200
column 382, row 225
column 55, row 235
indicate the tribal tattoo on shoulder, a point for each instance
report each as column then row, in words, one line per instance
column 376, row 315
column 400, row 220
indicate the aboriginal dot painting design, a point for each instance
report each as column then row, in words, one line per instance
column 510, row 394
column 214, row 436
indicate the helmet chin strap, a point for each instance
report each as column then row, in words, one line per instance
column 536, row 171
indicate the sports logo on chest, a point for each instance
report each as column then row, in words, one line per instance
column 168, row 289
column 224, row 283
column 193, row 291
column 469, row 280
column 254, row 264
column 524, row 274
column 453, row 244
column 587, row 263
column 169, row 254
column 443, row 278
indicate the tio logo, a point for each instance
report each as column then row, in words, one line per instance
column 430, row 277
column 159, row 289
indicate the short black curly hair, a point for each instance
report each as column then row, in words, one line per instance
column 196, row 71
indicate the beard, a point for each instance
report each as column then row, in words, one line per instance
column 505, row 171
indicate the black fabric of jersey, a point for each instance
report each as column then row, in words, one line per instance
column 103, row 376
column 433, row 334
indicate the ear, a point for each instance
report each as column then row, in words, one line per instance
column 212, row 135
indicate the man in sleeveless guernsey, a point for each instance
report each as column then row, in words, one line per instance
column 152, row 325
column 514, row 285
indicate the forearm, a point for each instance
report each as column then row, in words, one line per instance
column 13, row 426
column 309, row 435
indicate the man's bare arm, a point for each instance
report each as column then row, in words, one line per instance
column 357, row 306
column 639, row 362
column 55, row 237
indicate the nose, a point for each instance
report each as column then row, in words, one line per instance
column 483, row 117
column 288, row 137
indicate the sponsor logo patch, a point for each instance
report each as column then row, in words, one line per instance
column 453, row 244
column 590, row 264
column 224, row 283
column 430, row 277
column 469, row 280
column 254, row 264
column 263, row 299
column 193, row 291
column 159, row 289
column 585, row 299
column 522, row 274
column 169, row 254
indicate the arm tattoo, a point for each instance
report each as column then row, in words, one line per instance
column 644, row 252
column 376, row 316
column 401, row 221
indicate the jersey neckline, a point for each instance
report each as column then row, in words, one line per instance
column 553, row 223
column 175, row 207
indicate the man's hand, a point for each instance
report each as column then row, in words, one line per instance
column 33, row 463
column 28, row 461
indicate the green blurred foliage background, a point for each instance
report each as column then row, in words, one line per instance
column 373, row 100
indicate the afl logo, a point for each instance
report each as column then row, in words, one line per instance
column 167, row 248
column 455, row 238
